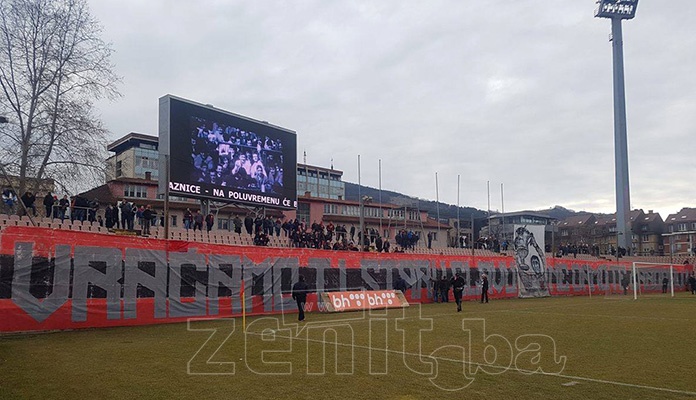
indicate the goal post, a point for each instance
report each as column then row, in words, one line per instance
column 649, row 277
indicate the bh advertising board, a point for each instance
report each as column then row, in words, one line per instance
column 218, row 155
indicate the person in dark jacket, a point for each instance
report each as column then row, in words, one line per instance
column 692, row 283
column 28, row 198
column 458, row 286
column 209, row 221
column 444, row 285
column 248, row 224
column 110, row 215
column 197, row 220
column 299, row 294
column 484, row 288
column 400, row 284
column 48, row 204
column 237, row 222
column 148, row 214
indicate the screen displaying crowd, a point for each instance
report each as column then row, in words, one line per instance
column 225, row 155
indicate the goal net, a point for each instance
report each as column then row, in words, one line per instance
column 654, row 278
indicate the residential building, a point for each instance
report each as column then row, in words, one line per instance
column 680, row 235
column 599, row 233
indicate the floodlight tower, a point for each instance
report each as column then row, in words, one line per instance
column 618, row 10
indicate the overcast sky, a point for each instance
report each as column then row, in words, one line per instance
column 517, row 93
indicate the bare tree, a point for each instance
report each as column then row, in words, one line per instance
column 53, row 65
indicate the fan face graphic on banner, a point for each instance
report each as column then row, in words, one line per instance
column 530, row 260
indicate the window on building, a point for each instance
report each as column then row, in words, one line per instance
column 371, row 212
column 146, row 162
column 645, row 238
column 352, row 210
column 331, row 209
column 119, row 168
column 681, row 227
column 303, row 212
column 644, row 228
column 137, row 191
column 173, row 223
column 396, row 214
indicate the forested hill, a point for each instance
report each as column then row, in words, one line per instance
column 446, row 210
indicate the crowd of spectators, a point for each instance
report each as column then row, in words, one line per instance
column 73, row 208
column 127, row 215
column 407, row 239
column 232, row 157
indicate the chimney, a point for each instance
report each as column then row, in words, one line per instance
column 650, row 211
column 148, row 175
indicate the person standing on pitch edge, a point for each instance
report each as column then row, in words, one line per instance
column 299, row 294
column 458, row 286
column 484, row 288
column 692, row 283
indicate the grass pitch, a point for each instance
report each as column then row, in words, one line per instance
column 571, row 348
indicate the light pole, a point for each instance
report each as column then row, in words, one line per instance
column 617, row 10
column 361, row 236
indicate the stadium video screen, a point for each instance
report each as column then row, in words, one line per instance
column 227, row 157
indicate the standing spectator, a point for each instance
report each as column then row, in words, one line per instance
column 400, row 284
column 188, row 219
column 434, row 287
column 258, row 224
column 299, row 294
column 127, row 215
column 248, row 224
column 146, row 219
column 484, row 288
column 209, row 221
column 100, row 221
column 692, row 283
column 665, row 284
column 268, row 226
column 28, row 198
column 276, row 226
column 197, row 221
column 352, row 233
column 458, row 285
column 110, row 215
column 9, row 199
column 237, row 222
column 48, row 204
column 139, row 214
column 444, row 289
column 63, row 205
column 92, row 212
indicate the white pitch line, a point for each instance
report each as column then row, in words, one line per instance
column 606, row 316
column 581, row 378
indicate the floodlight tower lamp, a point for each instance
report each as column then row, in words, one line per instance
column 618, row 10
